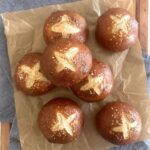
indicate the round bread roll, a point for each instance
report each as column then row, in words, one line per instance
column 28, row 76
column 97, row 85
column 119, row 123
column 116, row 29
column 65, row 24
column 61, row 120
column 66, row 62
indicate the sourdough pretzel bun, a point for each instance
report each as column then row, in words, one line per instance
column 97, row 85
column 119, row 123
column 116, row 29
column 61, row 120
column 66, row 62
column 65, row 24
column 28, row 77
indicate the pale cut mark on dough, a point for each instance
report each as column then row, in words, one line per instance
column 65, row 60
column 32, row 74
column 95, row 83
column 108, row 86
column 64, row 123
column 131, row 37
column 66, row 27
column 120, row 23
column 125, row 126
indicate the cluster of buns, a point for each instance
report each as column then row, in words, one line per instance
column 67, row 62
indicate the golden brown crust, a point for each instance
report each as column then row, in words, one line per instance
column 68, row 61
column 28, row 77
column 61, row 120
column 97, row 85
column 65, row 24
column 119, row 123
column 116, row 29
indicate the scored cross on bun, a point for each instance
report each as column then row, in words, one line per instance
column 61, row 120
column 116, row 29
column 28, row 76
column 97, row 85
column 66, row 62
column 119, row 123
column 65, row 24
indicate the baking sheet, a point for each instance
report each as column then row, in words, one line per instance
column 24, row 34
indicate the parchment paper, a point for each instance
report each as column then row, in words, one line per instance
column 23, row 30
